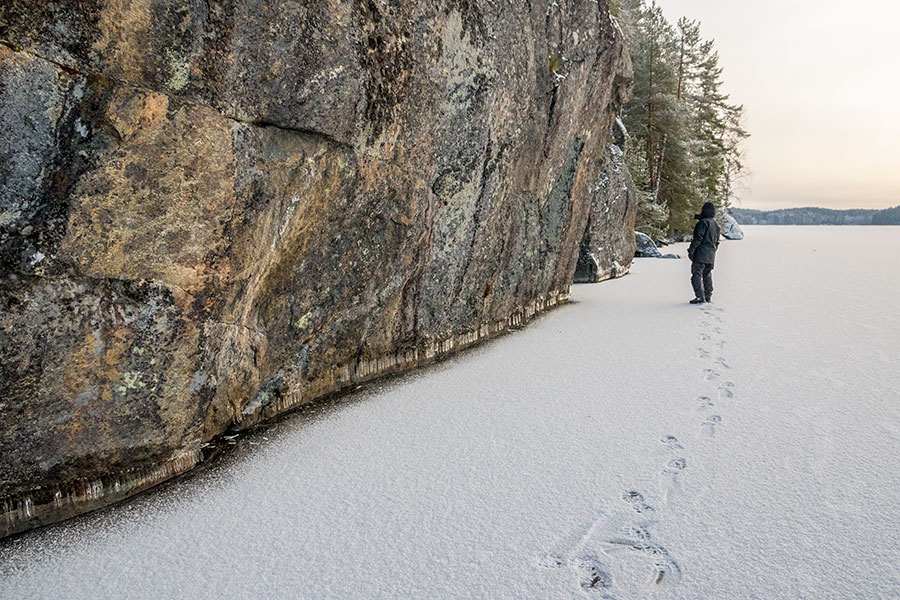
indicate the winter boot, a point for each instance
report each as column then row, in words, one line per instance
column 698, row 301
column 709, row 298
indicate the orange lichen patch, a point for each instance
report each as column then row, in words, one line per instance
column 157, row 202
column 122, row 26
column 131, row 113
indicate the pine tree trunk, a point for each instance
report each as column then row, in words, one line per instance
column 650, row 169
column 662, row 157
column 680, row 68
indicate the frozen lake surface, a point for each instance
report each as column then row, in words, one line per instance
column 626, row 446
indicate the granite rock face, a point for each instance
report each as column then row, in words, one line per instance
column 214, row 211
column 608, row 245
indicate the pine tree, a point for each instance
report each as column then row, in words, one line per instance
column 735, row 134
column 688, row 42
column 653, row 107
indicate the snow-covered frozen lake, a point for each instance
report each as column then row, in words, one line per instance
column 628, row 445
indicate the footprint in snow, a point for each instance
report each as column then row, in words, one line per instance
column 709, row 426
column 721, row 344
column 636, row 500
column 665, row 568
column 710, row 374
column 637, row 532
column 721, row 362
column 576, row 555
column 726, row 390
column 705, row 337
column 704, row 402
column 595, row 576
column 702, row 353
column 711, row 314
column 669, row 481
column 705, row 323
column 717, row 330
column 666, row 572
column 670, row 442
column 675, row 466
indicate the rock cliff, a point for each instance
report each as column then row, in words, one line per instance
column 608, row 244
column 214, row 211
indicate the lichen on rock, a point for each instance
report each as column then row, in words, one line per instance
column 213, row 212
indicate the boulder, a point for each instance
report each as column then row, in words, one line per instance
column 644, row 246
column 731, row 230
column 214, row 212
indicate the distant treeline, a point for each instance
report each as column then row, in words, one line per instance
column 817, row 216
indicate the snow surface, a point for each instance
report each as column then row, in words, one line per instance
column 538, row 465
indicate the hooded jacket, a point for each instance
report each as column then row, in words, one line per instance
column 706, row 236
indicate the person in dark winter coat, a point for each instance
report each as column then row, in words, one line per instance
column 702, row 253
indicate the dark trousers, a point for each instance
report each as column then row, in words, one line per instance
column 701, row 279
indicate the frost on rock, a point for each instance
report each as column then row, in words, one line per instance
column 732, row 230
column 645, row 247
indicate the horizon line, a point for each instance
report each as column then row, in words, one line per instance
column 811, row 206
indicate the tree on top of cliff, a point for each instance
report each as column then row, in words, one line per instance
column 687, row 136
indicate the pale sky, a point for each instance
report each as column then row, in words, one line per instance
column 820, row 83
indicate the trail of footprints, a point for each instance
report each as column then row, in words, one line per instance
column 710, row 335
column 613, row 535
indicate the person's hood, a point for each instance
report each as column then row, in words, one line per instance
column 707, row 212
